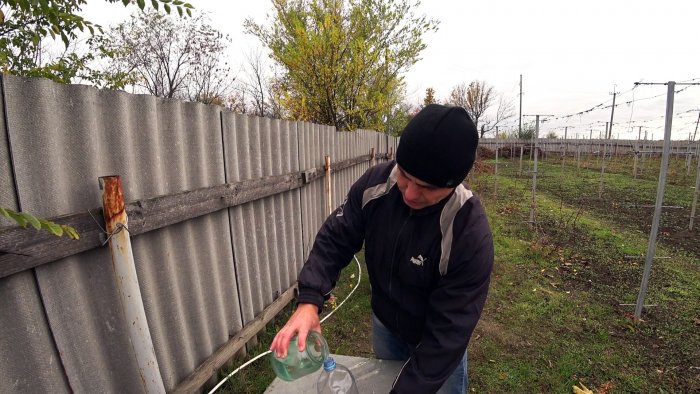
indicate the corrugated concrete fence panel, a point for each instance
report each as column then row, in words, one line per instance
column 342, row 180
column 186, row 270
column 285, row 222
column 310, row 193
column 70, row 136
column 26, row 343
column 8, row 193
column 267, row 243
column 313, row 147
column 44, row 120
column 339, row 153
column 29, row 361
column 282, row 221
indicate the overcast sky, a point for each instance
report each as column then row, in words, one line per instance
column 571, row 54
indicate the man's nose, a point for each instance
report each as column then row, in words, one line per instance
column 411, row 191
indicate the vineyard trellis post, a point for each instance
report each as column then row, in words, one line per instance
column 696, row 192
column 602, row 166
column 651, row 248
column 495, row 179
column 520, row 170
column 533, row 206
column 534, row 151
column 578, row 155
column 688, row 156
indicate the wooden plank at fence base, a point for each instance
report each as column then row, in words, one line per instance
column 208, row 368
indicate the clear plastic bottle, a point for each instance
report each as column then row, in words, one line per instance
column 298, row 364
column 335, row 379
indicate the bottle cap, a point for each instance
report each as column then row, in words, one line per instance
column 329, row 364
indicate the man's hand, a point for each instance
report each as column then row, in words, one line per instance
column 304, row 319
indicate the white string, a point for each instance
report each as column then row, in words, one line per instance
column 235, row 371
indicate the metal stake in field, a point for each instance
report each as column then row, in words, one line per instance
column 578, row 155
column 651, row 249
column 696, row 192
column 659, row 194
column 495, row 178
column 688, row 156
column 520, row 169
column 636, row 153
column 602, row 167
column 533, row 205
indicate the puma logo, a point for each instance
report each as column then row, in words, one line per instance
column 418, row 260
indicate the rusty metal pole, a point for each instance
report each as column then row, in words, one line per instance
column 329, row 202
column 374, row 159
column 127, row 283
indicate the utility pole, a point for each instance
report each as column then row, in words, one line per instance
column 520, row 115
column 612, row 113
column 696, row 126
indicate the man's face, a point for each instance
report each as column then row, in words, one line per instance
column 418, row 194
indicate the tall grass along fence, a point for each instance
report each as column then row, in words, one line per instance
column 222, row 209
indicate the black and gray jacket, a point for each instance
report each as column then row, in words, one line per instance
column 429, row 269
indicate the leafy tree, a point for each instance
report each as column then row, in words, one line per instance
column 458, row 96
column 477, row 98
column 342, row 60
column 429, row 97
column 398, row 118
column 261, row 93
column 527, row 132
column 24, row 24
column 167, row 57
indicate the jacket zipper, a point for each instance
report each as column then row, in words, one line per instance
column 395, row 259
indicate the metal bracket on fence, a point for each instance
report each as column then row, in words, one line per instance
column 308, row 175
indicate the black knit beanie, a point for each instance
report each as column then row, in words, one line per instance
column 438, row 145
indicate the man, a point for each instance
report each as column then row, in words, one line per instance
column 428, row 250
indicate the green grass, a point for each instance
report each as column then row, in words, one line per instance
column 563, row 315
column 554, row 317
